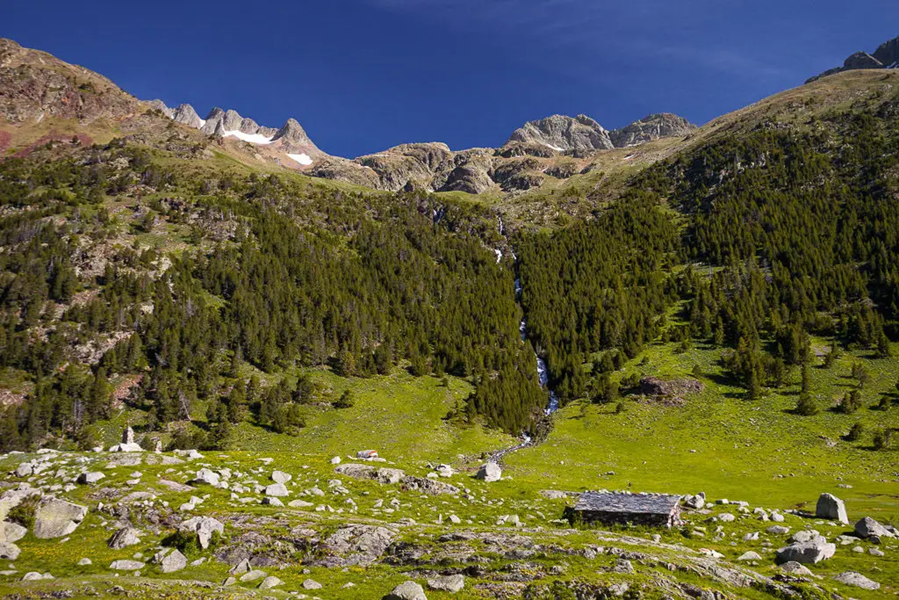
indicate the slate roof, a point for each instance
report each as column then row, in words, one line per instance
column 612, row 502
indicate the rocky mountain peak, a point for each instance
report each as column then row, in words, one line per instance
column 292, row 133
column 186, row 114
column 650, row 128
column 160, row 106
column 885, row 57
column 563, row 133
column 888, row 53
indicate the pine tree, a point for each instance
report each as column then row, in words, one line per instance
column 806, row 406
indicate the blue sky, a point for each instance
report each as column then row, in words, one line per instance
column 363, row 75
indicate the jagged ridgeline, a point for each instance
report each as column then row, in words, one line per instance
column 753, row 242
column 273, row 273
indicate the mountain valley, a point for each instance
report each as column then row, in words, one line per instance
column 235, row 366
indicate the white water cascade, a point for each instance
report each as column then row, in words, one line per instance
column 542, row 373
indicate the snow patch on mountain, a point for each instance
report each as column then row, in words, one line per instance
column 253, row 138
column 303, row 159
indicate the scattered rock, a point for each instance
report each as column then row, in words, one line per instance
column 172, row 562
column 831, row 507
column 253, row 575
column 794, row 568
column 857, row 580
column 270, row 582
column 448, row 583
column 311, row 584
column 127, row 565
column 445, row 470
column 89, row 478
column 206, row 477
column 490, row 472
column 281, row 477
column 9, row 551
column 749, row 556
column 407, row 591
column 695, row 502
column 277, row 490
column 127, row 536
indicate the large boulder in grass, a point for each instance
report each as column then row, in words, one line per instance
column 9, row 551
column 851, row 578
column 172, row 562
column 407, row 591
column 57, row 518
column 868, row 527
column 448, row 583
column 831, row 507
column 11, row 532
column 490, row 472
column 810, row 552
column 127, row 536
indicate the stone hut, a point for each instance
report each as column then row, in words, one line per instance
column 618, row 508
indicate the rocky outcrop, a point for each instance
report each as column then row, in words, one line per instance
column 888, row 53
column 422, row 164
column 671, row 392
column 160, row 106
column 561, row 133
column 355, row 545
column 651, row 128
column 885, row 57
column 35, row 85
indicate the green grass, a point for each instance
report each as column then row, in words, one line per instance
column 725, row 445
column 399, row 415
